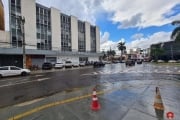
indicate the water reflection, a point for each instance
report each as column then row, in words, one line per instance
column 159, row 114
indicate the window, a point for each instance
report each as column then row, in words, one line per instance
column 4, row 68
column 14, row 68
column 13, row 1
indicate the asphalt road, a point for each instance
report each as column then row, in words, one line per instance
column 18, row 89
column 140, row 78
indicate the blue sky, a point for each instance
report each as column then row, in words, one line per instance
column 139, row 23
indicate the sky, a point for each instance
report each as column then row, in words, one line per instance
column 138, row 23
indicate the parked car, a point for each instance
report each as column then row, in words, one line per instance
column 58, row 65
column 47, row 66
column 68, row 64
column 82, row 63
column 139, row 61
column 160, row 61
column 75, row 64
column 99, row 64
column 130, row 62
column 12, row 71
column 172, row 61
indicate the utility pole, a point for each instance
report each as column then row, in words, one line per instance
column 22, row 22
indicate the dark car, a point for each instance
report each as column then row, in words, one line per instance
column 130, row 63
column 99, row 64
column 47, row 66
column 139, row 61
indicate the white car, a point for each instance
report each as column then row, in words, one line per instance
column 12, row 71
column 68, row 64
column 172, row 61
column 75, row 64
column 58, row 65
column 82, row 63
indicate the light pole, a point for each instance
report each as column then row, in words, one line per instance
column 22, row 22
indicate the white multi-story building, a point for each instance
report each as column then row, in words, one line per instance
column 50, row 36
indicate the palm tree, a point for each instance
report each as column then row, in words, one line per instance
column 176, row 32
column 121, row 46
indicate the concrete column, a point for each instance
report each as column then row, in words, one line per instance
column 56, row 29
column 74, row 33
column 87, row 36
column 97, row 39
column 28, row 10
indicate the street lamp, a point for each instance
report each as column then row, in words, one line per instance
column 22, row 22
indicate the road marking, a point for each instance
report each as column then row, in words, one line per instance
column 11, row 84
column 42, row 79
column 40, row 108
column 29, row 102
column 39, row 75
column 95, row 73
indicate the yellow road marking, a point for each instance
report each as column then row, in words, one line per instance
column 43, row 107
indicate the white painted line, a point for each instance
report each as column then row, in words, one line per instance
column 42, row 79
column 95, row 73
column 29, row 102
column 101, row 72
column 39, row 75
column 11, row 84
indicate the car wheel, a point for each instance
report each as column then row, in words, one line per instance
column 23, row 73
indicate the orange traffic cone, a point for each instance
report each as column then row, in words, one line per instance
column 158, row 104
column 95, row 104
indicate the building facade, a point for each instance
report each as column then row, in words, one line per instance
column 50, row 36
column 166, row 51
column 2, row 23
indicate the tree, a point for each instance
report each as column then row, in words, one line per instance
column 175, row 35
column 111, row 52
column 121, row 46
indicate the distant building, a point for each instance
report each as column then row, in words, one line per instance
column 2, row 24
column 50, row 36
column 169, row 50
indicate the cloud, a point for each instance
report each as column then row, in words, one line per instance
column 104, row 38
column 145, row 42
column 139, row 41
column 141, row 13
column 134, row 21
column 137, row 36
column 107, row 44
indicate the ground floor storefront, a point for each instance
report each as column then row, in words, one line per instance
column 35, row 58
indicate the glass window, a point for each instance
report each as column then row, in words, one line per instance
column 13, row 1
column 4, row 68
column 18, row 2
column 14, row 68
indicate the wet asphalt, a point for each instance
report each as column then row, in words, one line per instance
column 128, row 93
